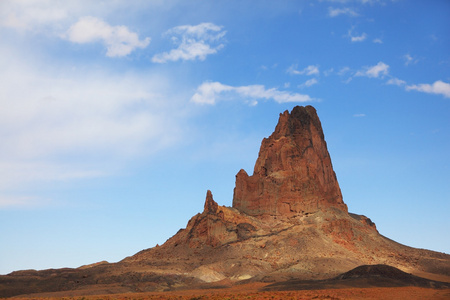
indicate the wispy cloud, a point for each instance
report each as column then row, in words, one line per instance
column 378, row 41
column 379, row 70
column 328, row 72
column 212, row 92
column 343, row 71
column 22, row 202
column 438, row 87
column 356, row 38
column 119, row 40
column 309, row 83
column 193, row 42
column 334, row 12
column 359, row 115
column 309, row 70
column 409, row 59
column 30, row 15
column 396, row 81
column 75, row 125
column 382, row 2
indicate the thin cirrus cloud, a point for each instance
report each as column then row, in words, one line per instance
column 30, row 15
column 22, row 202
column 378, row 41
column 119, row 40
column 193, row 42
column 309, row 70
column 359, row 115
column 409, row 59
column 396, row 81
column 58, row 127
column 212, row 92
column 334, row 12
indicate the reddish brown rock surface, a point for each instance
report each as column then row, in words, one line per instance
column 293, row 173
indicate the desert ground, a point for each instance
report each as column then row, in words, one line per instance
column 253, row 292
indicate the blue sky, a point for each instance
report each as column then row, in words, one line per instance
column 117, row 116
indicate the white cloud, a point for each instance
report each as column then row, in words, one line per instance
column 60, row 126
column 396, row 81
column 379, row 70
column 194, row 42
column 356, row 38
column 309, row 70
column 212, row 92
column 54, row 17
column 309, row 83
column 206, row 93
column 119, row 40
column 334, row 12
column 438, row 87
column 359, row 115
column 28, row 15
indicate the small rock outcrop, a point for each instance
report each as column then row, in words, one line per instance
column 215, row 226
column 293, row 173
column 211, row 206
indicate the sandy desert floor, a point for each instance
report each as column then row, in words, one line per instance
column 252, row 292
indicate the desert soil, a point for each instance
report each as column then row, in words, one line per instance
column 252, row 291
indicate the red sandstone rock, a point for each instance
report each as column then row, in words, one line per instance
column 215, row 226
column 293, row 173
column 211, row 206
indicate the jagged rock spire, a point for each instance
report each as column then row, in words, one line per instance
column 211, row 206
column 293, row 173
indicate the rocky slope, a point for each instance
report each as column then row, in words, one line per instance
column 288, row 220
column 225, row 243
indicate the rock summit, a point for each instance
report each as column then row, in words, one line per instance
column 293, row 173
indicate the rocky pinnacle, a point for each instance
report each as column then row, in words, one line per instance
column 293, row 173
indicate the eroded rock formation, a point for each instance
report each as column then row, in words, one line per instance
column 293, row 173
column 288, row 221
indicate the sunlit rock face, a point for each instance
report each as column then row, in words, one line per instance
column 293, row 173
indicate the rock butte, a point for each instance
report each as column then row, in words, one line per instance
column 288, row 221
column 293, row 173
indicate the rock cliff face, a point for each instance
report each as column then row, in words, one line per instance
column 293, row 173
